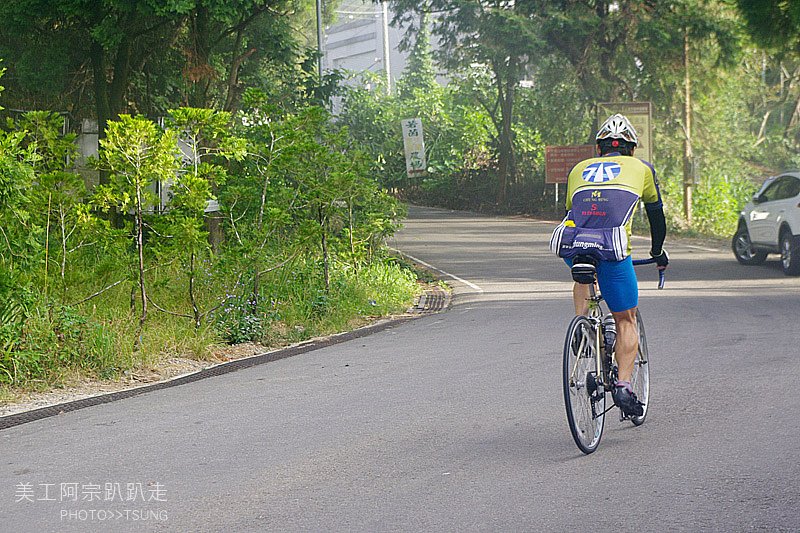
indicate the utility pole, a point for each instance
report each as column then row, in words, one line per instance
column 688, row 170
column 319, row 39
column 386, row 65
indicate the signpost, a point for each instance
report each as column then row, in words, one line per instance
column 559, row 160
column 641, row 116
column 414, row 145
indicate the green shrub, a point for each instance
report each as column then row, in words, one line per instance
column 300, row 251
column 717, row 202
column 294, row 305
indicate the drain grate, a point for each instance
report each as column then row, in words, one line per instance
column 431, row 301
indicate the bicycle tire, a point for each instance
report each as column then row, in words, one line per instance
column 579, row 367
column 640, row 381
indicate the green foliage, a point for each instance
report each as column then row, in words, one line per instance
column 52, row 151
column 298, row 305
column 500, row 37
column 420, row 73
column 137, row 155
column 104, row 59
column 774, row 23
column 304, row 218
column 718, row 200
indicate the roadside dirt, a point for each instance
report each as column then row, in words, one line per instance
column 77, row 388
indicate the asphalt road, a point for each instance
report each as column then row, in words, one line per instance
column 452, row 422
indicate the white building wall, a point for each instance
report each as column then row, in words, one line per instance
column 355, row 41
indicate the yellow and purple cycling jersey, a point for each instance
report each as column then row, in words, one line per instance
column 602, row 195
column 603, row 192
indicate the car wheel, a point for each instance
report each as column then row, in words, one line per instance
column 790, row 253
column 743, row 248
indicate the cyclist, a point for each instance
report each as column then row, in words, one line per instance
column 602, row 195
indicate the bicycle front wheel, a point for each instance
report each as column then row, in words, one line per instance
column 640, row 381
column 584, row 398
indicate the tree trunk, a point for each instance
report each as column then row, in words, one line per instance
column 325, row 259
column 687, row 139
column 506, row 160
column 195, row 310
column 198, row 64
column 102, row 108
column 352, row 242
column 119, row 82
column 63, row 220
column 233, row 73
column 140, row 248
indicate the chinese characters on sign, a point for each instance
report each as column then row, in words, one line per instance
column 559, row 160
column 414, row 145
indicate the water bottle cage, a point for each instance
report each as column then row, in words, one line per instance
column 610, row 339
column 609, row 333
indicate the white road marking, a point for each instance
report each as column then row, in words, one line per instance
column 693, row 247
column 439, row 270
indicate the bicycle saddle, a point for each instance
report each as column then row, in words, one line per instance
column 584, row 269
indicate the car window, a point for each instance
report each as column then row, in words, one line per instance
column 772, row 192
column 792, row 188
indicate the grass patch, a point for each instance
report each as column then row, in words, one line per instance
column 58, row 345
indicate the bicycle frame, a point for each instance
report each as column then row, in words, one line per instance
column 595, row 317
column 588, row 377
column 603, row 373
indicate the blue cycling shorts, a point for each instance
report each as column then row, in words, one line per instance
column 618, row 284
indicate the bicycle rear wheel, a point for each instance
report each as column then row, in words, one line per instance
column 640, row 381
column 584, row 399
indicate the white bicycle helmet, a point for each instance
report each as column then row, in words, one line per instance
column 618, row 127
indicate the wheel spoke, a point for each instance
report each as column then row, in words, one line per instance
column 640, row 381
column 584, row 413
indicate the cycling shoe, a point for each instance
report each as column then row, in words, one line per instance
column 626, row 400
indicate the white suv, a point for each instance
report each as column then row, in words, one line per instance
column 770, row 223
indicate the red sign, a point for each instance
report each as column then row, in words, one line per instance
column 559, row 160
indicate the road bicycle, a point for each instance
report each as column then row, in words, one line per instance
column 590, row 371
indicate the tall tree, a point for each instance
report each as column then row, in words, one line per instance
column 419, row 72
column 775, row 26
column 640, row 49
column 223, row 35
column 773, row 23
column 102, row 41
column 145, row 56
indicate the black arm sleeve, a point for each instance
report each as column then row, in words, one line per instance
column 658, row 226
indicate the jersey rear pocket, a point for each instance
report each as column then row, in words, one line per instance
column 606, row 244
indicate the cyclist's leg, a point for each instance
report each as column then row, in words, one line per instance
column 620, row 290
column 627, row 344
column 580, row 294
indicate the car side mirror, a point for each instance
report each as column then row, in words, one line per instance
column 757, row 199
